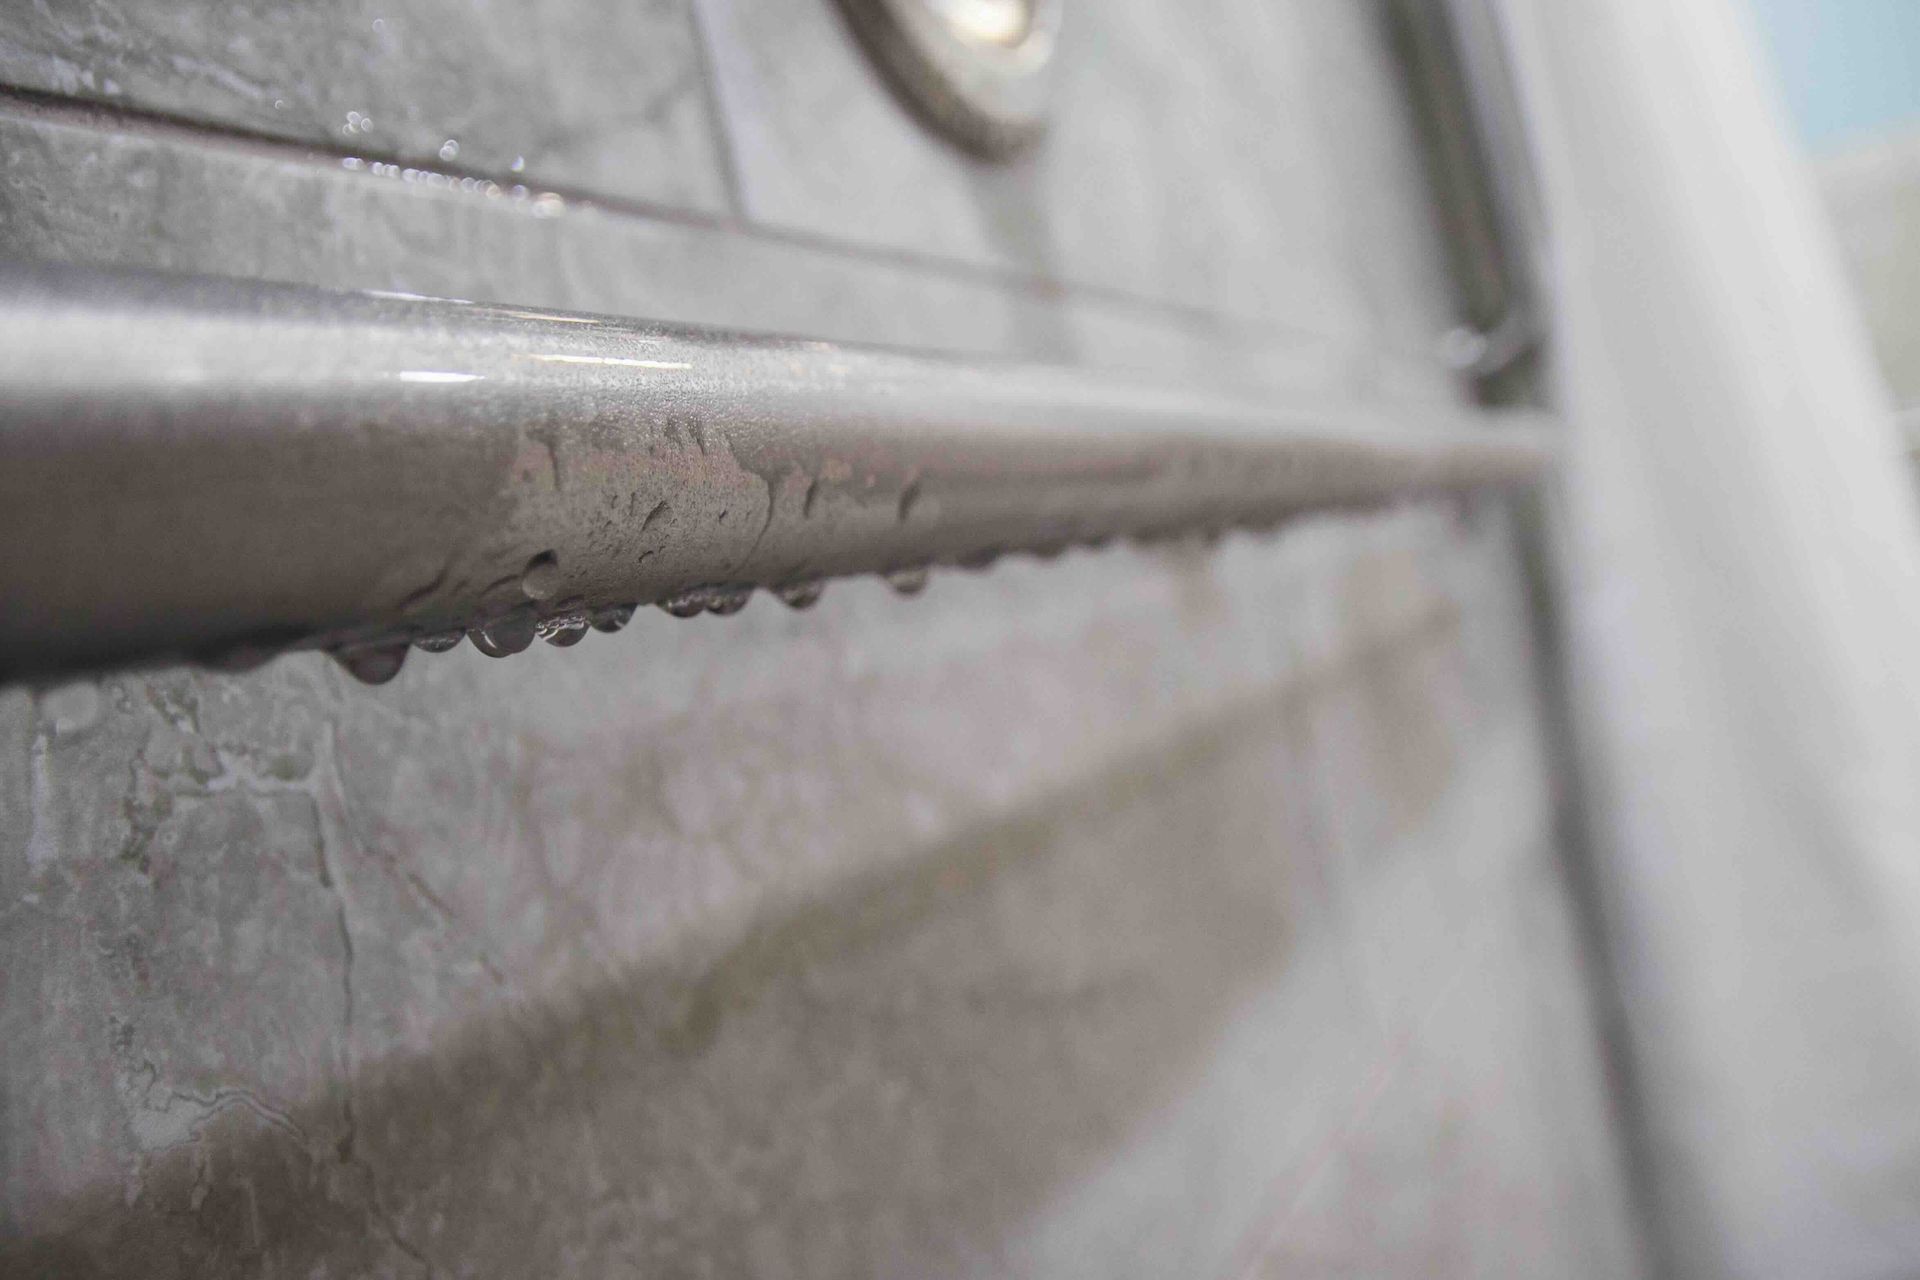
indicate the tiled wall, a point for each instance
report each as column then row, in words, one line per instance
column 1190, row 911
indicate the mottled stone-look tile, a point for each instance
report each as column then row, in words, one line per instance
column 606, row 98
column 1254, row 163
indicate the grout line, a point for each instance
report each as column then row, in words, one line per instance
column 717, row 114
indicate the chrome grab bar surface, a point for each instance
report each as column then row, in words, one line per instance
column 218, row 470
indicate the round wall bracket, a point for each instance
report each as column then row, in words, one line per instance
column 979, row 71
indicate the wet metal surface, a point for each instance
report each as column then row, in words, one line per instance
column 199, row 467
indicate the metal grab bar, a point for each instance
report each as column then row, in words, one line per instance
column 218, row 470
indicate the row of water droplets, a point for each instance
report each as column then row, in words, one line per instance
column 515, row 631
column 543, row 204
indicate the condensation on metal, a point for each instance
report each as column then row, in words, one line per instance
column 219, row 470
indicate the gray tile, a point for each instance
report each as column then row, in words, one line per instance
column 853, row 941
column 1479, row 1147
column 1207, row 157
column 87, row 189
column 597, row 97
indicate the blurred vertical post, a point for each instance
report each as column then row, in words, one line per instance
column 1742, row 564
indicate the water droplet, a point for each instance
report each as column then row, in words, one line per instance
column 504, row 635
column 374, row 663
column 909, row 496
column 542, row 577
column 908, row 582
column 438, row 641
column 977, row 560
column 379, row 24
column 564, row 631
column 450, row 149
column 519, row 163
column 686, row 604
column 548, row 204
column 719, row 598
column 611, row 618
column 801, row 595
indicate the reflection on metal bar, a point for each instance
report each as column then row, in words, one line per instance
column 1456, row 60
column 217, row 470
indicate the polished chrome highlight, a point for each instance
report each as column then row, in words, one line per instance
column 1455, row 61
column 990, row 22
column 563, row 631
column 981, row 71
column 192, row 468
